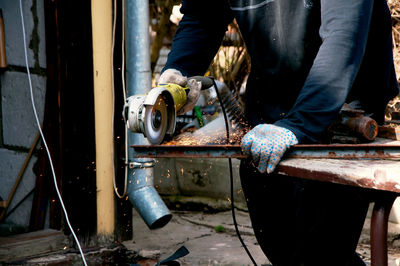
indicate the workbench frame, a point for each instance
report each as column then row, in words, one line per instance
column 374, row 167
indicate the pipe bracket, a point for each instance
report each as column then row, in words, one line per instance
column 136, row 165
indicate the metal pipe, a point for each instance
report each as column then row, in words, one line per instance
column 379, row 228
column 103, row 102
column 141, row 191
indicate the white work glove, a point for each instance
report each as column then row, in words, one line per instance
column 175, row 76
column 266, row 144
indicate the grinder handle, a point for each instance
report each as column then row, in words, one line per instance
column 206, row 82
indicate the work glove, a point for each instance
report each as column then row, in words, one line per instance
column 266, row 144
column 175, row 76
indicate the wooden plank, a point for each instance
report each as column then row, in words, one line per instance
column 31, row 244
column 374, row 174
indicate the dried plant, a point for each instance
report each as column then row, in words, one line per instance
column 394, row 6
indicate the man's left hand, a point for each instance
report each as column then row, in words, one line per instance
column 267, row 143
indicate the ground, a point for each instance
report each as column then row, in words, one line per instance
column 196, row 231
column 209, row 237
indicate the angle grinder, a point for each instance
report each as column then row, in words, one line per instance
column 154, row 114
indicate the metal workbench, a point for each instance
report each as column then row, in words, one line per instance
column 374, row 166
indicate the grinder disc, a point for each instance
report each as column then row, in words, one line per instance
column 156, row 121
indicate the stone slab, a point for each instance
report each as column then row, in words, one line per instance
column 31, row 244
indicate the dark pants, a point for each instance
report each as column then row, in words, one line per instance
column 304, row 222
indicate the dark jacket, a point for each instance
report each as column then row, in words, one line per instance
column 308, row 57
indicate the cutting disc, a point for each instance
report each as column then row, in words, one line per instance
column 156, row 121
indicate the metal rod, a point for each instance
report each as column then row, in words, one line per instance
column 379, row 227
column 317, row 151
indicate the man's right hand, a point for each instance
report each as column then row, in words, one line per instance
column 175, row 76
column 172, row 76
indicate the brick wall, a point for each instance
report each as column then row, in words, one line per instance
column 17, row 124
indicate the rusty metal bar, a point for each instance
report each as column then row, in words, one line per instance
column 315, row 151
column 185, row 151
column 379, row 227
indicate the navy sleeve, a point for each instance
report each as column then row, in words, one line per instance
column 199, row 35
column 344, row 31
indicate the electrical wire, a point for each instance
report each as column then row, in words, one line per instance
column 113, row 88
column 43, row 138
column 231, row 176
column 123, row 85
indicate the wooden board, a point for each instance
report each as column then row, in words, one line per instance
column 31, row 244
column 374, row 174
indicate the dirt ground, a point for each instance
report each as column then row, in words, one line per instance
column 196, row 231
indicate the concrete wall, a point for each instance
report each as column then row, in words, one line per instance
column 17, row 124
column 197, row 177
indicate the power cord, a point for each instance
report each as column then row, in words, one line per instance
column 231, row 175
column 124, row 94
column 43, row 138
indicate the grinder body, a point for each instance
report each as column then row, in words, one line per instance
column 154, row 114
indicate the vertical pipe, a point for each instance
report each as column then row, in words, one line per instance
column 103, row 102
column 138, row 79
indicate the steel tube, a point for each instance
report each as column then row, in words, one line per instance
column 379, row 227
column 138, row 77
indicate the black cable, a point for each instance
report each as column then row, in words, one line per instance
column 231, row 176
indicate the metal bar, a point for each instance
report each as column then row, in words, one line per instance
column 184, row 151
column 379, row 227
column 317, row 151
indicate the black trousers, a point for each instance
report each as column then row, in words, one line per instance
column 304, row 222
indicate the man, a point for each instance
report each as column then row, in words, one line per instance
column 308, row 57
